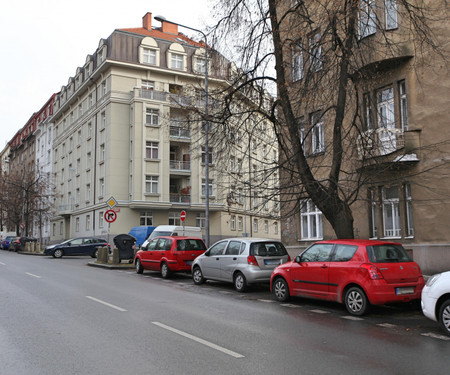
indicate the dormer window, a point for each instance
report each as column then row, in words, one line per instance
column 149, row 56
column 177, row 61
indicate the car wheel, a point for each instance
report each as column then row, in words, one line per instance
column 356, row 301
column 139, row 268
column 95, row 254
column 197, row 276
column 240, row 283
column 165, row 272
column 281, row 290
column 444, row 316
column 58, row 253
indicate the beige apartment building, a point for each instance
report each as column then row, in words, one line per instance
column 396, row 123
column 129, row 126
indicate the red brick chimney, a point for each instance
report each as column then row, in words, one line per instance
column 147, row 21
column 169, row 28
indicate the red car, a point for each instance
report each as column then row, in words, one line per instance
column 357, row 273
column 169, row 254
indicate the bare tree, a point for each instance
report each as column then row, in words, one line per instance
column 316, row 58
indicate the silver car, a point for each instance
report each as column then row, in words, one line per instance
column 241, row 261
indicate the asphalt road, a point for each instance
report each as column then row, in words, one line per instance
column 59, row 316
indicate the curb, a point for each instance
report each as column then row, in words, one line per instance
column 128, row 266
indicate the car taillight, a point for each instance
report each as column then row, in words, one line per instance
column 289, row 258
column 373, row 271
column 252, row 260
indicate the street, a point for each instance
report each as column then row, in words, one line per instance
column 59, row 316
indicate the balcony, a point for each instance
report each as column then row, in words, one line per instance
column 153, row 95
column 379, row 142
column 180, row 198
column 180, row 133
column 65, row 209
column 181, row 100
column 180, row 166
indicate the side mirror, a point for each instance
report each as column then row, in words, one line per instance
column 207, row 253
column 297, row 259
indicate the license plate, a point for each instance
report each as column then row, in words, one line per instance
column 189, row 262
column 400, row 291
column 272, row 262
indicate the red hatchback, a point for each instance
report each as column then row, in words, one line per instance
column 355, row 272
column 169, row 254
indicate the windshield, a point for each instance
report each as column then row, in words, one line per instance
column 191, row 244
column 387, row 253
column 263, row 249
column 159, row 234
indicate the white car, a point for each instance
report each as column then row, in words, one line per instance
column 436, row 299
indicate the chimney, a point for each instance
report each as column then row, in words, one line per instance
column 169, row 28
column 147, row 21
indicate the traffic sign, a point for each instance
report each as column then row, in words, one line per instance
column 111, row 202
column 183, row 216
column 110, row 216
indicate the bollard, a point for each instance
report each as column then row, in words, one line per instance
column 115, row 256
column 32, row 247
column 105, row 255
column 27, row 247
column 101, row 256
column 38, row 247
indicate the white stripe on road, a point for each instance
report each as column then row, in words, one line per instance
column 199, row 340
column 435, row 336
column 31, row 274
column 3, row 264
column 106, row 303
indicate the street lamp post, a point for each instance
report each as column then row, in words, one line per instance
column 162, row 19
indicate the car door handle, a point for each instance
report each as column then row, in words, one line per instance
column 324, row 266
column 217, row 258
column 234, row 258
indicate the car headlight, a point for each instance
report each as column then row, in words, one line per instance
column 50, row 247
column 432, row 279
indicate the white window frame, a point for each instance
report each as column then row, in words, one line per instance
column 390, row 7
column 315, row 49
column 240, row 224
column 391, row 212
column 317, row 133
column 200, row 65
column 174, row 218
column 151, row 150
column 367, row 18
column 88, row 222
column 373, row 213
column 210, row 186
column 310, row 221
column 233, row 222
column 200, row 220
column 152, row 116
column 146, row 218
column 151, row 184
column 176, row 61
column 149, row 55
column 408, row 211
column 297, row 63
column 403, row 105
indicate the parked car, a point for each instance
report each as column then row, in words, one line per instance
column 76, row 246
column 169, row 254
column 7, row 241
column 241, row 261
column 436, row 300
column 173, row 230
column 18, row 244
column 354, row 272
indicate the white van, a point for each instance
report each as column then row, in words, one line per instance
column 173, row 230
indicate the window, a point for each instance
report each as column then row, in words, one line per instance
column 174, row 218
column 275, row 227
column 368, row 111
column 344, row 253
column 151, row 184
column 385, row 108
column 210, row 187
column 176, row 61
column 297, row 62
column 373, row 214
column 101, row 221
column 151, row 150
column 77, row 224
column 148, row 85
column 266, row 226
column 200, row 65
column 210, row 156
column 146, row 218
column 408, row 209
column 317, row 253
column 103, row 120
column 233, row 222
column 152, row 116
column 255, row 225
column 391, row 211
column 317, row 133
column 102, row 152
column 88, row 192
column 311, row 221
column 240, row 223
column 403, row 105
column 149, row 56
column 316, row 52
column 102, row 187
column 89, row 132
column 88, row 222
column 200, row 220
column 367, row 18
column 391, row 14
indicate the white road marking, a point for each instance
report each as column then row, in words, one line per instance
column 349, row 317
column 289, row 305
column 199, row 340
column 320, row 311
column 435, row 336
column 31, row 274
column 3, row 264
column 387, row 325
column 266, row 300
column 106, row 303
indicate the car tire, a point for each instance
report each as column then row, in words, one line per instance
column 280, row 290
column 197, row 276
column 139, row 268
column 58, row 253
column 240, row 283
column 356, row 301
column 165, row 271
column 95, row 254
column 444, row 316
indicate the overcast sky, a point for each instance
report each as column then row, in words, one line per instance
column 43, row 43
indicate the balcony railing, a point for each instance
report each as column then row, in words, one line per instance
column 181, row 100
column 184, row 166
column 65, row 208
column 381, row 141
column 153, row 94
column 178, row 132
column 180, row 198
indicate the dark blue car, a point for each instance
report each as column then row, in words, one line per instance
column 76, row 246
column 6, row 242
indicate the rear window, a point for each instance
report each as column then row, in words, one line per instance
column 190, row 244
column 267, row 249
column 387, row 254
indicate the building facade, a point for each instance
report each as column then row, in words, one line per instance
column 129, row 125
column 396, row 123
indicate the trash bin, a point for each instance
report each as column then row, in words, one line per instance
column 125, row 245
